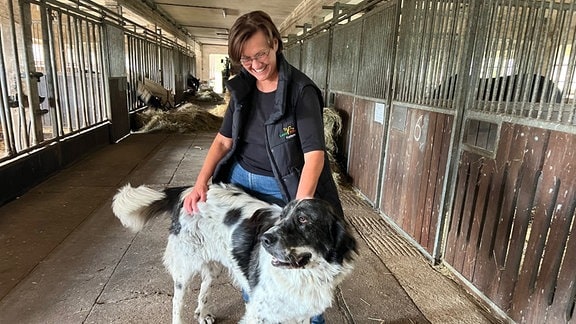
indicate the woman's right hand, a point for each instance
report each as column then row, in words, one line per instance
column 220, row 146
column 197, row 194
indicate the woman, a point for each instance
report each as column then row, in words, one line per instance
column 271, row 142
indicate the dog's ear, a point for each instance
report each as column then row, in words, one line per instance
column 344, row 242
column 289, row 208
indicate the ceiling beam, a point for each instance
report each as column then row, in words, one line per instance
column 149, row 10
column 303, row 13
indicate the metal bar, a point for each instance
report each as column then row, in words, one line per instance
column 105, row 73
column 549, row 90
column 82, row 71
column 89, row 71
column 549, row 63
column 474, row 46
column 63, row 67
column 520, row 22
column 22, row 138
column 131, row 84
column 96, row 72
column 5, row 115
column 537, row 62
column 36, row 129
column 568, row 78
column 52, row 89
column 75, row 121
column 570, row 81
column 505, row 50
column 102, row 72
column 429, row 43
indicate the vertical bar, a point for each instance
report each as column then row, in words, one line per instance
column 74, row 95
column 6, row 114
column 570, row 80
column 64, row 68
column 550, row 87
column 22, row 139
column 81, row 71
column 29, row 68
column 160, row 60
column 506, row 79
column 90, row 75
column 105, row 72
column 537, row 61
column 474, row 47
column 131, row 88
column 100, row 72
column 51, row 75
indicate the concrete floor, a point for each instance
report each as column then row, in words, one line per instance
column 64, row 257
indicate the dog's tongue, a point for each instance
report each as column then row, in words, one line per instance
column 294, row 262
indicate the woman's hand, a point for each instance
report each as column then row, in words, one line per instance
column 197, row 194
column 220, row 146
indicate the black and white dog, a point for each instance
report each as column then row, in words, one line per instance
column 289, row 260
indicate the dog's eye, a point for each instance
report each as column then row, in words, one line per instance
column 302, row 220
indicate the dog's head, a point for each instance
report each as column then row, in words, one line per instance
column 309, row 229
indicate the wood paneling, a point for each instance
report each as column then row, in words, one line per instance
column 414, row 172
column 344, row 104
column 512, row 220
column 364, row 138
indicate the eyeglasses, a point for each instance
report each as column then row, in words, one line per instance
column 245, row 60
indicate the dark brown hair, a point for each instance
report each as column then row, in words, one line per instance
column 246, row 26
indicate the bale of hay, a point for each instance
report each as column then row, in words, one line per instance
column 188, row 118
column 332, row 130
column 204, row 96
column 153, row 93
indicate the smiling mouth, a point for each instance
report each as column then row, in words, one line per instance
column 293, row 262
column 259, row 70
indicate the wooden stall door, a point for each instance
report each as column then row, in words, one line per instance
column 414, row 172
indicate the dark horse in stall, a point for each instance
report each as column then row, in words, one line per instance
column 506, row 88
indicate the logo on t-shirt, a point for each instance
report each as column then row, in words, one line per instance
column 289, row 132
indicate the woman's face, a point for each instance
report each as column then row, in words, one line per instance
column 259, row 59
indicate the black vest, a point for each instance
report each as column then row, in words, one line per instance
column 282, row 143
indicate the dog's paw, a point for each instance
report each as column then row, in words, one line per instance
column 208, row 319
column 204, row 318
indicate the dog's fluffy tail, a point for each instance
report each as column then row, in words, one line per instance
column 134, row 206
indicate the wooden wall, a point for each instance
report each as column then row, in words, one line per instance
column 512, row 221
column 482, row 182
column 414, row 173
column 362, row 142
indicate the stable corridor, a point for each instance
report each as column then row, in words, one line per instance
column 64, row 258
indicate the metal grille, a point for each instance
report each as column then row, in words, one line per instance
column 377, row 53
column 54, row 69
column 528, row 63
column 80, row 71
column 293, row 55
column 52, row 74
column 314, row 59
column 430, row 52
column 345, row 54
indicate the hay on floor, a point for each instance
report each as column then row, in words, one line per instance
column 204, row 96
column 187, row 118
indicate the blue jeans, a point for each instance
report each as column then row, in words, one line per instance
column 263, row 187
